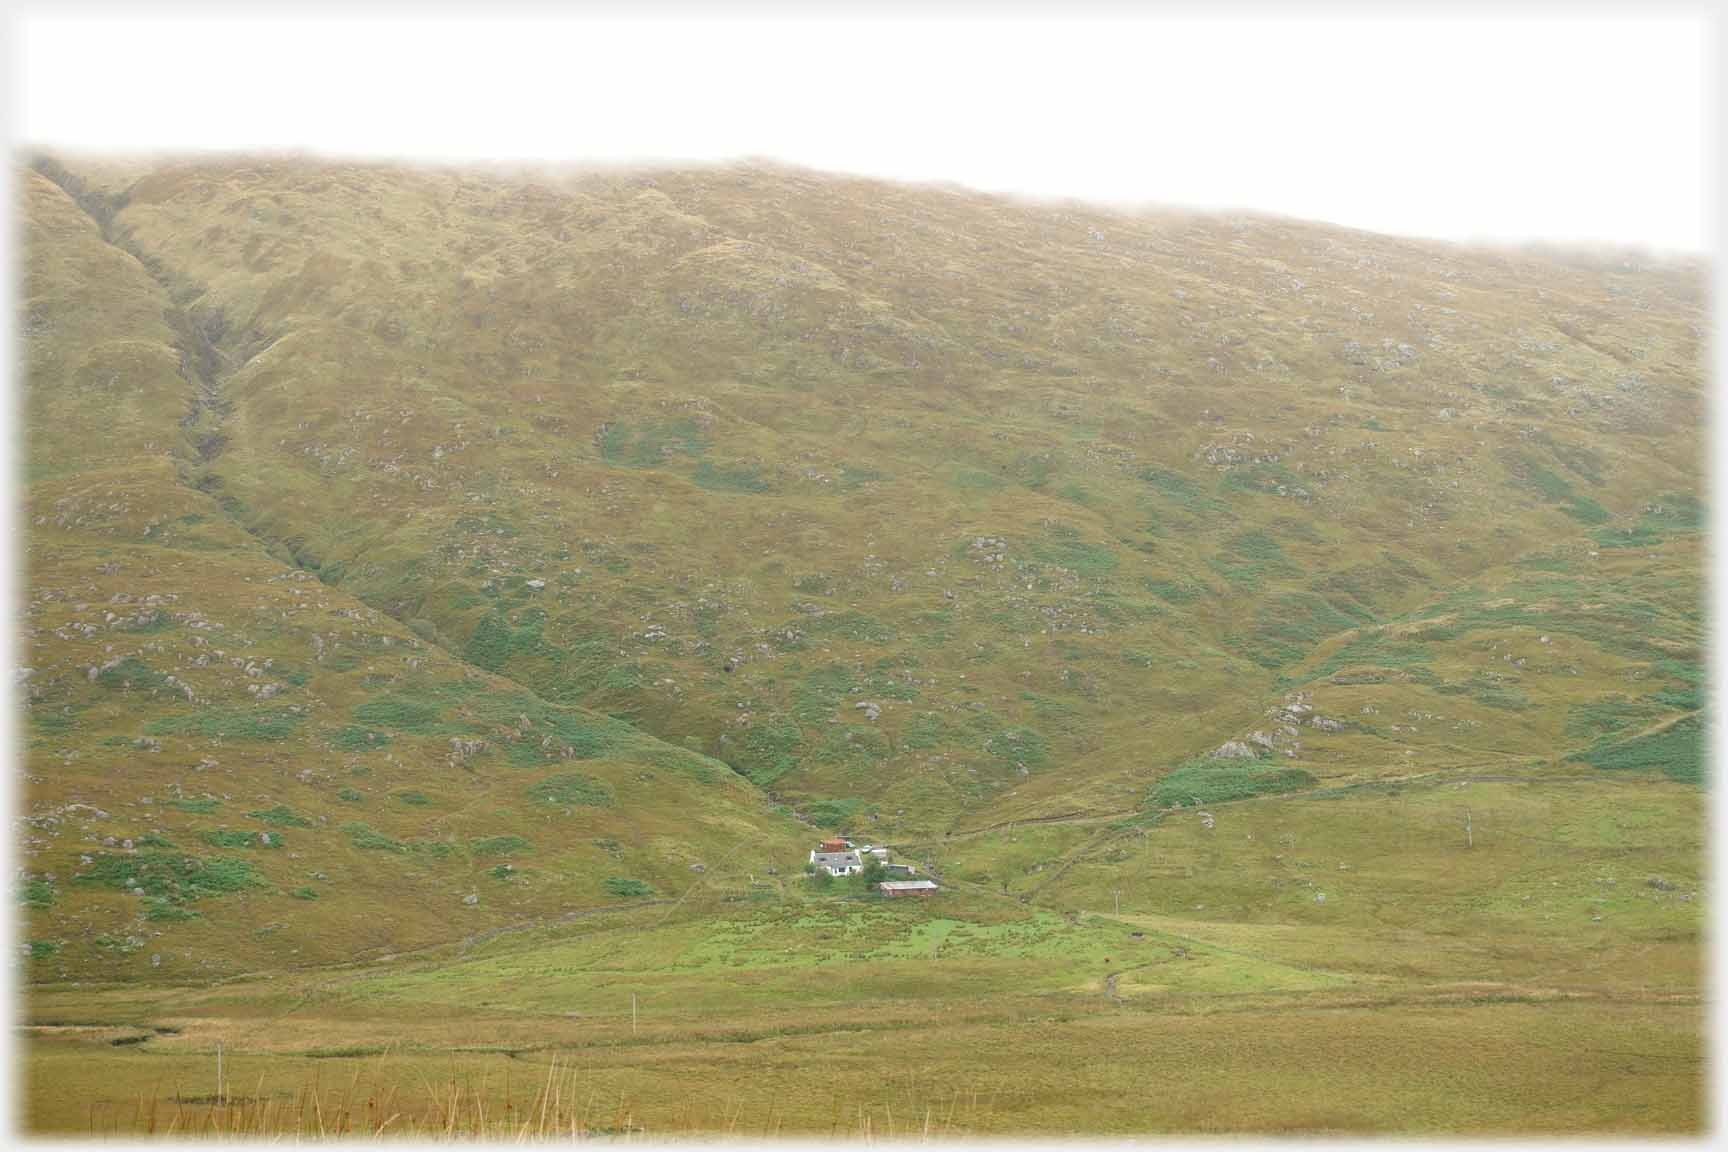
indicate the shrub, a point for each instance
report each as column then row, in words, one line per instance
column 624, row 886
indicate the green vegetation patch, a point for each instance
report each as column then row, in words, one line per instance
column 1272, row 479
column 768, row 751
column 171, row 875
column 1024, row 747
column 1675, row 513
column 744, row 478
column 976, row 480
column 821, row 692
column 1182, row 492
column 162, row 909
column 1208, row 781
column 571, row 788
column 1068, row 551
column 1249, row 559
column 366, row 837
column 1174, row 591
column 1677, row 751
column 926, row 730
column 649, row 445
column 837, row 813
column 281, row 816
column 232, row 838
column 37, row 892
column 200, row 806
column 1378, row 651
column 231, row 723
column 132, row 674
column 1606, row 715
column 1288, row 627
column 624, row 886
column 357, row 738
column 1556, row 490
column 855, row 476
column 853, row 626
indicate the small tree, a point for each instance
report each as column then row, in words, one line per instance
column 872, row 874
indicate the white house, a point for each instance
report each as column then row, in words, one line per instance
column 837, row 863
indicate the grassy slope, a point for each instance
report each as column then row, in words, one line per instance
column 767, row 417
column 189, row 693
column 1073, row 497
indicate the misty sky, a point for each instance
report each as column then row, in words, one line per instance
column 1549, row 126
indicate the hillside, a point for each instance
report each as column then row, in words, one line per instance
column 232, row 766
column 453, row 563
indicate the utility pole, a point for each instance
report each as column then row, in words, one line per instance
column 221, row 1096
column 1118, row 895
column 1469, row 835
column 632, row 1013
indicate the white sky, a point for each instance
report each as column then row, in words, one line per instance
column 1542, row 125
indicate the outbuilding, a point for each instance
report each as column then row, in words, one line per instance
column 907, row 887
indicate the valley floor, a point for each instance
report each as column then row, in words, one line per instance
column 961, row 1015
